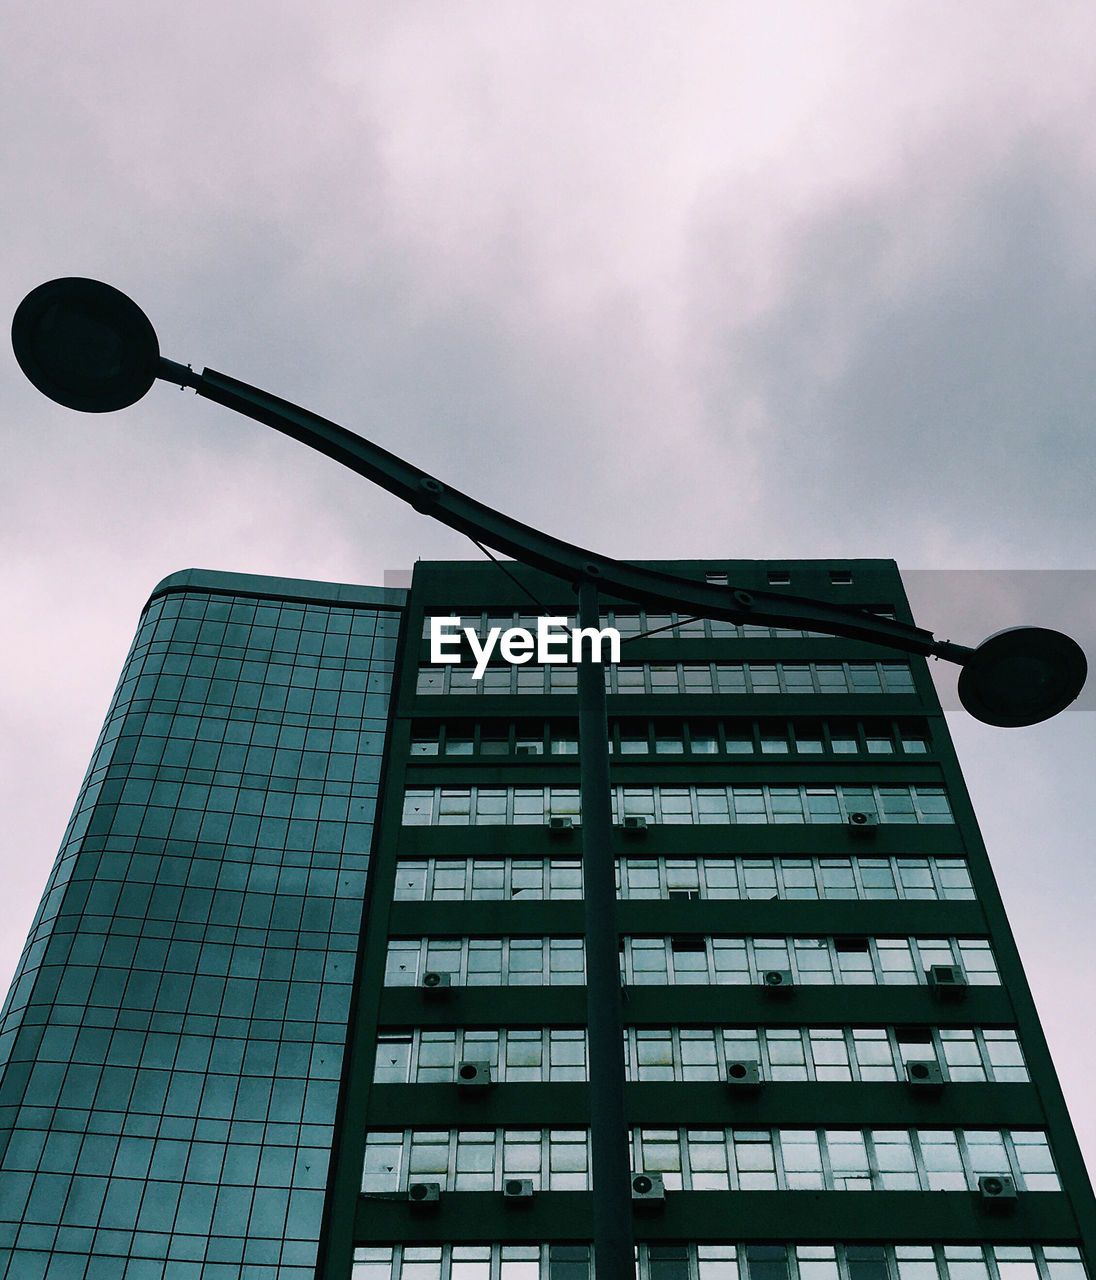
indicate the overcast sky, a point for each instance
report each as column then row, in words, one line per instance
column 671, row 280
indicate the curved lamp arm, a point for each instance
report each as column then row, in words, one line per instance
column 88, row 346
column 541, row 550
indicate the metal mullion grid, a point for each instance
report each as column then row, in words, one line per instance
column 686, row 1162
column 809, row 1046
column 709, row 961
column 778, row 873
column 934, row 873
column 500, row 1041
column 919, row 1159
column 828, row 1177
column 873, row 1159
column 516, row 684
column 460, row 1049
column 449, row 862
column 941, row 1055
column 919, row 963
column 938, row 880
column 968, row 1175
column 941, row 1058
column 695, row 865
column 734, row 1175
column 432, row 865
column 545, row 887
column 702, row 873
column 987, row 1253
column 765, row 1051
column 454, row 1145
column 823, row 1153
column 413, row 1063
column 617, row 795
column 677, row 1053
column 632, row 1063
column 407, row 1147
column 500, row 619
column 899, row 1063
column 623, row 882
column 983, row 1051
column 848, row 1036
column 415, row 1048
column 541, row 1182
column 877, row 973
column 808, row 1052
column 721, row 1058
column 1013, row 1158
column 858, row 879
column 668, row 959
column 713, row 677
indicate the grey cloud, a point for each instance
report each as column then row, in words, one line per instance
column 954, row 389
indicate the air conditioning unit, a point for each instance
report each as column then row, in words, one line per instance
column 778, row 983
column 424, row 1193
column 924, row 1077
column 647, row 1188
column 744, row 1076
column 437, row 986
column 560, row 824
column 997, row 1192
column 634, row 823
column 863, row 824
column 947, row 981
column 518, row 1189
column 474, row 1075
column 526, row 751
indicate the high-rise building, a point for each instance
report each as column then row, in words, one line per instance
column 305, row 995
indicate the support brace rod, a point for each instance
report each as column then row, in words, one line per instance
column 542, row 551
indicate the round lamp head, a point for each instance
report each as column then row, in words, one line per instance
column 85, row 345
column 1022, row 676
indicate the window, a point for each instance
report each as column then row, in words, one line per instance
column 724, row 1261
column 488, row 961
column 802, row 1160
column 393, row 1059
column 656, row 678
column 848, row 1158
column 819, row 960
column 477, row 1159
column 507, row 879
column 424, row 1055
column 501, row 879
column 717, row 1159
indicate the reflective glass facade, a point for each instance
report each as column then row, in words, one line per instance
column 173, row 1041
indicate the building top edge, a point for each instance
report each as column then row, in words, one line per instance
column 219, row 582
column 700, row 564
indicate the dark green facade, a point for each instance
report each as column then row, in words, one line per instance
column 224, row 1056
column 461, row 814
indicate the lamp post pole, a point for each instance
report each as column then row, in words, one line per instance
column 614, row 1249
column 89, row 347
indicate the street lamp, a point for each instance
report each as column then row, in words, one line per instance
column 89, row 347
